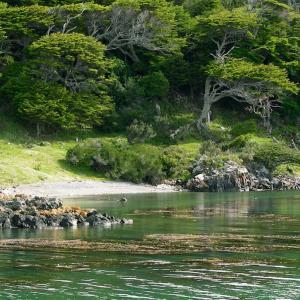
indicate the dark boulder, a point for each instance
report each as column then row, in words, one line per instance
column 41, row 212
column 15, row 204
column 98, row 219
column 68, row 220
column 27, row 221
column 4, row 220
column 43, row 203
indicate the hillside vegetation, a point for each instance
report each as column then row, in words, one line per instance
column 139, row 90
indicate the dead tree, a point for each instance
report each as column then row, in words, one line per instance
column 128, row 29
column 65, row 19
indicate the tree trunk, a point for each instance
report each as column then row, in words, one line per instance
column 134, row 57
column 267, row 117
column 205, row 114
column 38, row 130
column 131, row 54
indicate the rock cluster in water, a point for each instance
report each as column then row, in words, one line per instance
column 41, row 212
column 234, row 177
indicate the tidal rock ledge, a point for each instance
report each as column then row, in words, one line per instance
column 233, row 177
column 40, row 212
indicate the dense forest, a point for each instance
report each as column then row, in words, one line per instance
column 220, row 73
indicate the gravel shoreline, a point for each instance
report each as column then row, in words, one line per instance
column 85, row 188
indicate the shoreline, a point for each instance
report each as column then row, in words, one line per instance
column 65, row 189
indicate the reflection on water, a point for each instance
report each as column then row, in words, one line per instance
column 210, row 275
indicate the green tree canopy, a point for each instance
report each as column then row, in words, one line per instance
column 258, row 85
column 73, row 60
column 242, row 70
column 64, row 83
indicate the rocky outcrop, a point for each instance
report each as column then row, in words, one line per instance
column 234, row 177
column 40, row 212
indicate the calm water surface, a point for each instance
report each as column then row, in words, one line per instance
column 211, row 275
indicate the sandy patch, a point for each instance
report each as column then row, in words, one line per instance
column 85, row 188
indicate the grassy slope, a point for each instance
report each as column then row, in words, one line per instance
column 23, row 160
column 18, row 164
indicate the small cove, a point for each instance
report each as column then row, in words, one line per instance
column 268, row 218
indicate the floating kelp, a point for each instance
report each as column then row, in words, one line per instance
column 237, row 262
column 166, row 244
column 195, row 212
column 200, row 213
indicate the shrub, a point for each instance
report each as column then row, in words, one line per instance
column 136, row 163
column 119, row 160
column 264, row 150
column 139, row 132
column 162, row 126
column 248, row 126
column 287, row 169
column 217, row 133
column 272, row 154
column 212, row 157
column 241, row 141
column 156, row 85
column 176, row 162
column 142, row 165
column 82, row 153
column 289, row 132
column 210, row 148
column 247, row 153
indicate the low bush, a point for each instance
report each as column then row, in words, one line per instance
column 82, row 153
column 210, row 148
column 248, row 126
column 136, row 163
column 273, row 154
column 212, row 157
column 290, row 133
column 287, row 169
column 216, row 133
column 264, row 150
column 176, row 162
column 241, row 141
column 139, row 132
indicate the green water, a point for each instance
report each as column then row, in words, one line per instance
column 65, row 274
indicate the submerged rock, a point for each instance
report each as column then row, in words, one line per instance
column 42, row 212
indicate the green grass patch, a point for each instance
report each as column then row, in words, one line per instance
column 19, row 164
column 287, row 169
column 23, row 160
column 26, row 159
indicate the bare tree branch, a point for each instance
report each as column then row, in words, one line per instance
column 258, row 94
column 128, row 29
column 68, row 19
